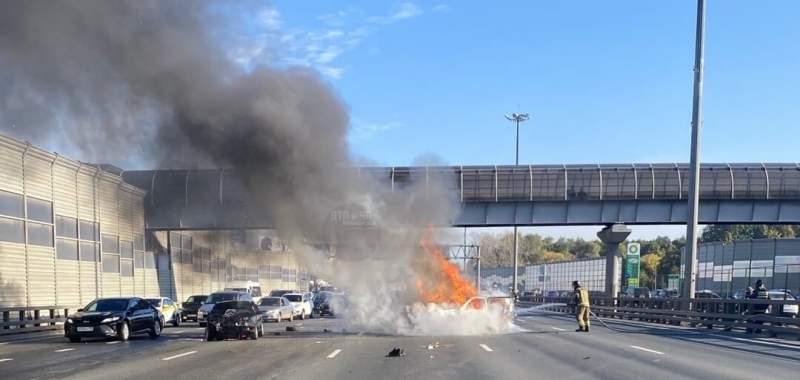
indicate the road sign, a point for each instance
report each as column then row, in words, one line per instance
column 627, row 276
column 303, row 277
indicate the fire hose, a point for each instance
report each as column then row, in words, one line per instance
column 738, row 322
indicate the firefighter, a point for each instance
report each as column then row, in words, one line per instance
column 581, row 300
column 759, row 293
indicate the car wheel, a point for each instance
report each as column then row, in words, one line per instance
column 123, row 332
column 302, row 315
column 176, row 322
column 155, row 331
column 202, row 324
column 208, row 335
column 291, row 317
column 261, row 329
column 75, row 339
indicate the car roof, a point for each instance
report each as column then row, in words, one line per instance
column 230, row 292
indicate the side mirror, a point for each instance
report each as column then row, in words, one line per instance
column 80, row 310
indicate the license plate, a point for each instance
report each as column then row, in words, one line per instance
column 191, row 315
column 85, row 329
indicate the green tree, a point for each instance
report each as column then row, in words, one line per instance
column 728, row 233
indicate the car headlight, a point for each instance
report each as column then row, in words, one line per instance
column 111, row 319
column 69, row 320
column 200, row 313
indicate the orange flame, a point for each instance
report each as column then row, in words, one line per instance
column 438, row 280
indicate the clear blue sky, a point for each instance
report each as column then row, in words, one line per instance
column 604, row 81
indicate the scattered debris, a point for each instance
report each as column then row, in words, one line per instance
column 326, row 330
column 290, row 328
column 277, row 333
column 588, row 357
column 396, row 352
column 317, row 342
column 431, row 356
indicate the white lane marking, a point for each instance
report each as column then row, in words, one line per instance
column 5, row 360
column 648, row 350
column 180, row 355
column 556, row 328
column 485, row 347
column 113, row 342
column 32, row 340
column 361, row 333
column 65, row 350
column 333, row 354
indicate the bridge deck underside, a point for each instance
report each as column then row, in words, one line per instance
column 494, row 214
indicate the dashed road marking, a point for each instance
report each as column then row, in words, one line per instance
column 361, row 333
column 333, row 354
column 180, row 355
column 485, row 347
column 556, row 328
column 648, row 350
column 113, row 342
column 65, row 350
column 5, row 360
column 179, row 332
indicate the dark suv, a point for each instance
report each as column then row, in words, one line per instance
column 190, row 307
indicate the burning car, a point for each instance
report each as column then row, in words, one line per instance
column 234, row 320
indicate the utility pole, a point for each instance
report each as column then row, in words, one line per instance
column 694, row 163
column 516, row 118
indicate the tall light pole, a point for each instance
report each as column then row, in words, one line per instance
column 694, row 164
column 516, row 118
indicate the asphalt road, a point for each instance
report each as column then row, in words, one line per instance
column 549, row 350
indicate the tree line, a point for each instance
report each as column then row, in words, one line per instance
column 659, row 257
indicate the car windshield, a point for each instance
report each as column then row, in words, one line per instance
column 294, row 297
column 219, row 297
column 321, row 296
column 272, row 301
column 238, row 305
column 197, row 299
column 108, row 305
column 156, row 302
column 237, row 289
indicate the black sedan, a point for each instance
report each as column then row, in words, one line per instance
column 114, row 317
column 234, row 320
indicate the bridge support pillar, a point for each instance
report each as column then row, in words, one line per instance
column 612, row 236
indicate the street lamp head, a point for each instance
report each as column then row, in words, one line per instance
column 518, row 117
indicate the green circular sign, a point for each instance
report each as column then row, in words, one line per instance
column 633, row 249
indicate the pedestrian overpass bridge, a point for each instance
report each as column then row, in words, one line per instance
column 521, row 195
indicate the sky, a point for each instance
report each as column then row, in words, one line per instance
column 603, row 81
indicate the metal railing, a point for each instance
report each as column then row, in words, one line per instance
column 512, row 183
column 32, row 319
column 728, row 314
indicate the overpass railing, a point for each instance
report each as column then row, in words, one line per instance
column 510, row 183
column 728, row 314
column 32, row 319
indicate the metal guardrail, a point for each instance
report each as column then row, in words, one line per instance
column 727, row 314
column 18, row 320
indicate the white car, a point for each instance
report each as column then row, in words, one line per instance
column 276, row 309
column 303, row 304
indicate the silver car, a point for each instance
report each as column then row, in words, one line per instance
column 276, row 309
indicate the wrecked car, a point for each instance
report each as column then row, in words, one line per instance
column 234, row 320
column 504, row 305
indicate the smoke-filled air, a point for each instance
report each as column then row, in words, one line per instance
column 150, row 83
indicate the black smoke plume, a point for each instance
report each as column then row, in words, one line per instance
column 146, row 81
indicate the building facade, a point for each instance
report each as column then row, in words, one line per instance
column 726, row 268
column 71, row 232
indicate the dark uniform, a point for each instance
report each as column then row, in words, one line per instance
column 760, row 293
column 581, row 306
